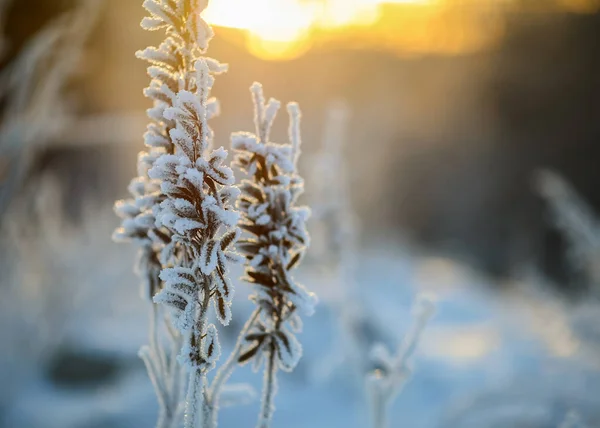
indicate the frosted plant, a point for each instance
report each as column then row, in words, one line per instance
column 181, row 214
column 392, row 372
column 275, row 243
column 182, row 217
column 31, row 89
column 576, row 220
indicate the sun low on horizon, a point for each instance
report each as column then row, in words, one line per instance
column 285, row 29
column 282, row 29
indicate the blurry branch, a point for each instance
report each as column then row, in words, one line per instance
column 575, row 219
column 335, row 205
column 574, row 330
column 103, row 129
column 31, row 89
column 334, row 211
column 392, row 371
column 166, row 375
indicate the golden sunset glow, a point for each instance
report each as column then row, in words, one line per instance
column 284, row 29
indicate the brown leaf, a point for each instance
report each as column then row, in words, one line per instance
column 228, row 239
column 261, row 278
column 249, row 353
column 294, row 261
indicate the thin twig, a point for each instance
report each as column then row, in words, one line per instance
column 270, row 387
column 197, row 381
column 228, row 367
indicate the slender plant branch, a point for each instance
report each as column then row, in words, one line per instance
column 276, row 241
column 385, row 383
column 154, row 339
column 227, row 368
column 196, row 394
column 269, row 390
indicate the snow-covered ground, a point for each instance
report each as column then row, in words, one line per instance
column 486, row 360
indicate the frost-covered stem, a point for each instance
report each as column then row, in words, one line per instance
column 166, row 373
column 414, row 336
column 169, row 416
column 269, row 390
column 195, row 386
column 145, row 354
column 259, row 111
column 157, row 371
column 164, row 416
column 386, row 383
column 175, row 377
column 380, row 403
column 172, row 411
column 294, row 131
column 154, row 340
column 196, row 397
column 227, row 368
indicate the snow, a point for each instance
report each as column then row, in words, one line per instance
column 446, row 385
